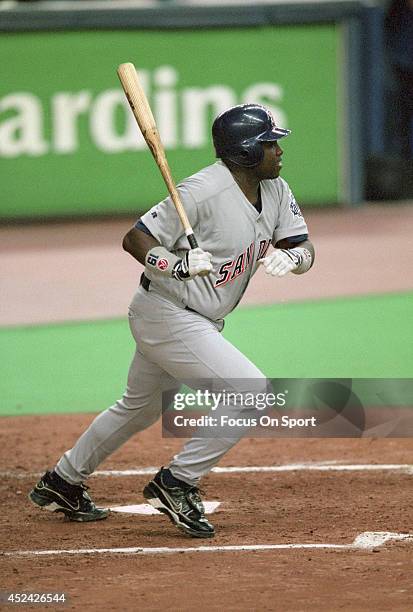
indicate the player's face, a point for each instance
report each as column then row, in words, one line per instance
column 271, row 165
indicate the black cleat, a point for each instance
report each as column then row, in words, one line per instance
column 57, row 495
column 183, row 505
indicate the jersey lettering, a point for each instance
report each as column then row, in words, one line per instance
column 250, row 253
column 239, row 266
column 264, row 245
column 235, row 267
column 224, row 272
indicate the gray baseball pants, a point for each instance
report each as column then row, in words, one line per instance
column 173, row 346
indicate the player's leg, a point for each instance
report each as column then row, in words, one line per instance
column 140, row 407
column 197, row 354
column 62, row 489
column 192, row 350
column 228, row 369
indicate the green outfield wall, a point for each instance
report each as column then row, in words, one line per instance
column 68, row 141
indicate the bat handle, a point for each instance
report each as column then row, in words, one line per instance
column 192, row 241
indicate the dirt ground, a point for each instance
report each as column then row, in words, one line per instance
column 258, row 508
column 54, row 273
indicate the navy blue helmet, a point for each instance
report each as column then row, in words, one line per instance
column 238, row 134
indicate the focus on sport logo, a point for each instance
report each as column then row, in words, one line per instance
column 162, row 264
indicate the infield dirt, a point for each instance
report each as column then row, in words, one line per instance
column 256, row 508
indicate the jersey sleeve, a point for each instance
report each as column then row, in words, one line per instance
column 163, row 222
column 290, row 221
column 141, row 226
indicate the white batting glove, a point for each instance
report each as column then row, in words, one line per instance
column 280, row 262
column 195, row 262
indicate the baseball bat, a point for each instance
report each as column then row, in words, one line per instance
column 147, row 125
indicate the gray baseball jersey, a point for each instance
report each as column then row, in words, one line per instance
column 228, row 226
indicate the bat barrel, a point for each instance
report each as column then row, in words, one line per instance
column 139, row 104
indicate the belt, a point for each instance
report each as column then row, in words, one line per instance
column 146, row 283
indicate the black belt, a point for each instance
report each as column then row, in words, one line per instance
column 146, row 283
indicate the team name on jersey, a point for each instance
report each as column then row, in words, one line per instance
column 233, row 268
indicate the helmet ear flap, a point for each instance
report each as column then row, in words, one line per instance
column 255, row 151
column 247, row 155
column 242, row 156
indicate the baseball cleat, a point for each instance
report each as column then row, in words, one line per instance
column 182, row 504
column 57, row 495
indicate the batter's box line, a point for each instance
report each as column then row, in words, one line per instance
column 320, row 466
column 367, row 540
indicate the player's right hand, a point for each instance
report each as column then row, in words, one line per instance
column 195, row 262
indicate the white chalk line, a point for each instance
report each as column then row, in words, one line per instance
column 322, row 466
column 293, row 467
column 364, row 541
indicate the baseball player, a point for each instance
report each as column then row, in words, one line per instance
column 238, row 207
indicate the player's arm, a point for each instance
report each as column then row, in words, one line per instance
column 140, row 243
column 290, row 255
column 137, row 242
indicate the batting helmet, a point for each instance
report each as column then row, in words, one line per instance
column 238, row 134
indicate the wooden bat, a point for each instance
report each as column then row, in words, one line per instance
column 147, row 125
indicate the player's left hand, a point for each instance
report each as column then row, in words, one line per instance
column 280, row 262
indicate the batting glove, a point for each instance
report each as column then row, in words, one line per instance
column 281, row 261
column 195, row 262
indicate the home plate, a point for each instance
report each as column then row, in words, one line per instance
column 210, row 507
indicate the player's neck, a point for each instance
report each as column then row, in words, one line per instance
column 249, row 185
